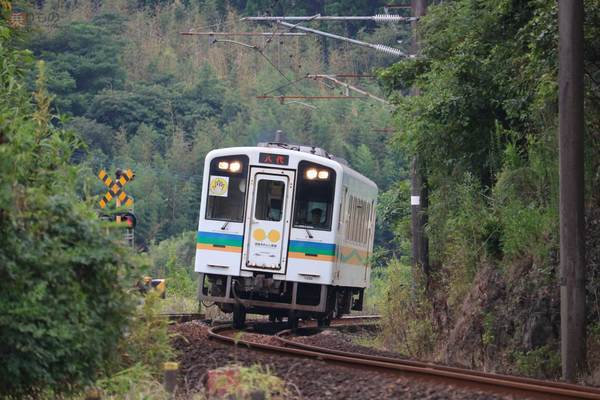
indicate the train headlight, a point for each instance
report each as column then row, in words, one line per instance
column 223, row 165
column 311, row 173
column 323, row 174
column 235, row 166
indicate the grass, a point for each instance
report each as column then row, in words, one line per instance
column 242, row 383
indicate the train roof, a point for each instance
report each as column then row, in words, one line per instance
column 315, row 154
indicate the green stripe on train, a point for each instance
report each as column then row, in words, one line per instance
column 220, row 241
column 311, row 250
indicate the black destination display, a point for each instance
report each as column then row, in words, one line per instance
column 277, row 159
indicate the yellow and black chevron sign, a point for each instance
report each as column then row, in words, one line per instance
column 115, row 189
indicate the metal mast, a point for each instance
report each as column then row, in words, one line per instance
column 572, row 223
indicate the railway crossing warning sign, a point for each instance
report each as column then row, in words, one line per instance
column 116, row 189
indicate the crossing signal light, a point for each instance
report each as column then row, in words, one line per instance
column 129, row 219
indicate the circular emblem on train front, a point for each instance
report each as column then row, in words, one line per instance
column 274, row 236
column 218, row 186
column 259, row 235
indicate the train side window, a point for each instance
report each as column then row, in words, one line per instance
column 356, row 219
column 314, row 200
column 361, row 215
column 226, row 192
column 355, row 223
column 351, row 213
column 362, row 209
column 367, row 222
column 369, row 226
column 343, row 207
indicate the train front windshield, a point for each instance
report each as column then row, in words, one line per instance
column 314, row 196
column 227, row 188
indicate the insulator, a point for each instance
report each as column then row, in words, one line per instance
column 388, row 18
column 389, row 50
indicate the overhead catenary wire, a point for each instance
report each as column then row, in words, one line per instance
column 380, row 18
column 284, row 86
column 347, row 86
column 258, row 50
column 380, row 47
column 213, row 33
column 292, row 81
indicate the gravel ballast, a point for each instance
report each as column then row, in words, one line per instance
column 306, row 378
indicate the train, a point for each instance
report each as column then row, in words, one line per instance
column 285, row 231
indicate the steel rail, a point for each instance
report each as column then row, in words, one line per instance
column 511, row 378
column 533, row 386
column 183, row 317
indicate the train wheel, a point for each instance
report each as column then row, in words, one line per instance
column 323, row 322
column 239, row 316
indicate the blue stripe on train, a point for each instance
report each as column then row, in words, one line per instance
column 320, row 246
column 213, row 235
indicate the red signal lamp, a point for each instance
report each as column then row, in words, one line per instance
column 129, row 219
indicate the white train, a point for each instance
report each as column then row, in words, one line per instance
column 284, row 230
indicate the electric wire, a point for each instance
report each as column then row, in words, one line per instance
column 284, row 86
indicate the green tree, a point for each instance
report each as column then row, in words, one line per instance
column 63, row 300
column 83, row 58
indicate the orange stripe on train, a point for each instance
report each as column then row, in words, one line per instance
column 316, row 257
column 229, row 249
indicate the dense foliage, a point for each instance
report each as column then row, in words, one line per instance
column 145, row 97
column 63, row 301
column 485, row 126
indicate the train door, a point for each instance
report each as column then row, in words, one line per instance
column 268, row 220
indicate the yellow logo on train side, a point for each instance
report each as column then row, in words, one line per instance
column 218, row 186
column 259, row 235
column 274, row 236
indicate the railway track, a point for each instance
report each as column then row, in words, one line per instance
column 494, row 383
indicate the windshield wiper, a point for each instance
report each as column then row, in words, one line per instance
column 224, row 225
column 310, row 235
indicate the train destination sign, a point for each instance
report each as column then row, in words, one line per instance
column 277, row 159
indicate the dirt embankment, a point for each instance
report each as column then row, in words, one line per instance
column 510, row 320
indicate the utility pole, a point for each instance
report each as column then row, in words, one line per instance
column 572, row 223
column 419, row 196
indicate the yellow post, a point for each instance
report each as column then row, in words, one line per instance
column 170, row 370
column 118, row 218
column 93, row 394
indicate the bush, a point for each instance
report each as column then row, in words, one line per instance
column 136, row 382
column 63, row 306
column 542, row 362
column 244, row 383
column 406, row 313
column 173, row 259
column 148, row 341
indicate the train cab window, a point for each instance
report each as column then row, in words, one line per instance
column 227, row 188
column 314, row 196
column 269, row 200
